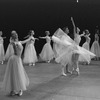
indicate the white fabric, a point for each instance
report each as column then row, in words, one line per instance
column 95, row 48
column 1, row 50
column 47, row 53
column 15, row 77
column 9, row 52
column 68, row 48
column 30, row 55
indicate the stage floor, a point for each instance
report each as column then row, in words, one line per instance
column 46, row 83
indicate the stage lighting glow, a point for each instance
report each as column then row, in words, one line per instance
column 77, row 1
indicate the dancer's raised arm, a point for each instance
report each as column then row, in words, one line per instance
column 74, row 27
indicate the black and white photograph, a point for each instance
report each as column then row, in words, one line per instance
column 49, row 50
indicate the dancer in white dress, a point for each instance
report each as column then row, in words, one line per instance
column 15, row 79
column 66, row 30
column 10, row 50
column 2, row 52
column 86, row 45
column 95, row 48
column 77, row 39
column 47, row 53
column 30, row 55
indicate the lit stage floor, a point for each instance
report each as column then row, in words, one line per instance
column 46, row 83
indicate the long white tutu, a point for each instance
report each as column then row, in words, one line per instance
column 95, row 48
column 47, row 52
column 9, row 52
column 2, row 52
column 30, row 55
column 86, row 46
column 56, row 48
column 15, row 76
column 81, row 58
column 68, row 48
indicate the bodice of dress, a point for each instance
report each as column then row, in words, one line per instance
column 18, row 48
column 1, row 40
column 77, row 39
column 87, row 39
column 48, row 39
column 96, row 37
column 32, row 40
column 11, row 40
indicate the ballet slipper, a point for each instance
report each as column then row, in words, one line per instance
column 20, row 93
column 64, row 74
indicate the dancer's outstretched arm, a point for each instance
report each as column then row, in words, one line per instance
column 24, row 41
column 83, row 34
column 43, row 37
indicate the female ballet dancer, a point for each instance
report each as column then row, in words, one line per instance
column 15, row 79
column 95, row 48
column 30, row 56
column 10, row 50
column 86, row 54
column 47, row 53
column 86, row 45
column 77, row 39
column 2, row 52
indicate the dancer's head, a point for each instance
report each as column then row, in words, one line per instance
column 1, row 33
column 14, row 35
column 31, row 32
column 47, row 33
column 86, row 32
column 97, row 31
column 66, row 30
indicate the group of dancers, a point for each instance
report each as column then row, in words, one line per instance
column 65, row 51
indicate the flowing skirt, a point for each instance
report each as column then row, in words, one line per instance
column 2, row 52
column 30, row 55
column 9, row 52
column 65, row 56
column 86, row 46
column 47, row 52
column 95, row 48
column 15, row 76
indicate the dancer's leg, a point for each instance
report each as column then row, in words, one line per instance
column 63, row 71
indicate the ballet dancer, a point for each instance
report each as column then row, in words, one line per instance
column 47, row 53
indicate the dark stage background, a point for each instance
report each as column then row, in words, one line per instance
column 42, row 15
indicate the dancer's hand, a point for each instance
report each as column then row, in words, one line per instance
column 36, row 38
column 71, row 18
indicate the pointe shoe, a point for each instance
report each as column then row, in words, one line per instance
column 78, row 73
column 12, row 93
column 64, row 74
column 30, row 64
column 69, row 72
column 2, row 62
column 33, row 64
column 20, row 93
column 48, row 61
